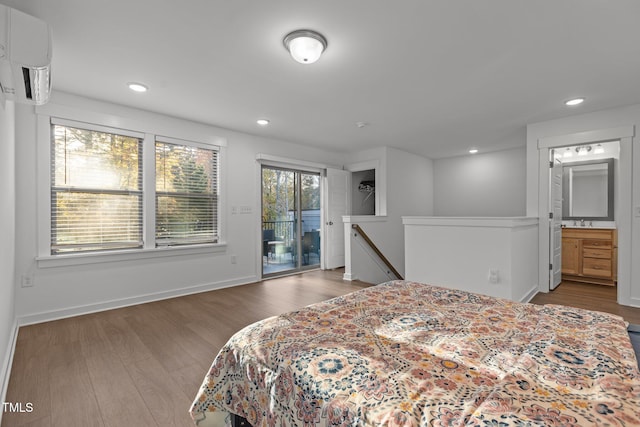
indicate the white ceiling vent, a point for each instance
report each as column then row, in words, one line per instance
column 25, row 57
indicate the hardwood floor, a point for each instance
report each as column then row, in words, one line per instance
column 142, row 365
column 591, row 297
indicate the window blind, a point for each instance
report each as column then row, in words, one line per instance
column 186, row 194
column 96, row 190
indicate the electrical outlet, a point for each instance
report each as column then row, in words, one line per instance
column 234, row 259
column 494, row 275
column 27, row 281
column 234, row 210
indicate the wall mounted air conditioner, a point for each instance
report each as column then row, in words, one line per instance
column 25, row 57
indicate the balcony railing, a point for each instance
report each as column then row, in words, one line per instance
column 282, row 230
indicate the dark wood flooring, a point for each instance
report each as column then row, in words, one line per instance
column 591, row 297
column 142, row 365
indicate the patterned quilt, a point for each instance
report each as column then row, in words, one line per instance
column 410, row 354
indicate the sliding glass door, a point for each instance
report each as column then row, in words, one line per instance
column 290, row 220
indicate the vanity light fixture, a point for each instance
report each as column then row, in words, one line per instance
column 137, row 87
column 567, row 153
column 599, row 149
column 305, row 46
column 583, row 150
column 574, row 101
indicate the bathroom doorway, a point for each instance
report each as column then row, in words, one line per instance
column 622, row 194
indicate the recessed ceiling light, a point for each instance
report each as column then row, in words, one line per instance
column 473, row 151
column 575, row 101
column 137, row 87
column 262, row 122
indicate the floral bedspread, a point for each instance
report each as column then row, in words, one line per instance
column 409, row 354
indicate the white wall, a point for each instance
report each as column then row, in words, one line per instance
column 459, row 253
column 405, row 187
column 361, row 261
column 67, row 290
column 489, row 184
column 7, row 242
column 578, row 127
column 409, row 192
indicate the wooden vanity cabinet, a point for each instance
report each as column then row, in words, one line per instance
column 589, row 255
column 570, row 256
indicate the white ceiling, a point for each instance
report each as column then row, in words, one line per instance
column 430, row 77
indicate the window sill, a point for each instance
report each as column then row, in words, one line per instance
column 128, row 255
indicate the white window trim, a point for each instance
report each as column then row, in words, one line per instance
column 287, row 163
column 43, row 205
column 128, row 255
column 95, row 127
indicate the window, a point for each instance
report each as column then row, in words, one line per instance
column 186, row 195
column 99, row 201
column 96, row 191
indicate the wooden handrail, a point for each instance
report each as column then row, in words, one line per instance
column 376, row 250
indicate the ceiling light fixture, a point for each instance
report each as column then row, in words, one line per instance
column 305, row 46
column 568, row 153
column 262, row 122
column 137, row 87
column 473, row 151
column 599, row 149
column 575, row 101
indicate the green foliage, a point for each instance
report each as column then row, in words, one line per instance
column 310, row 193
column 278, row 193
column 185, row 206
column 86, row 163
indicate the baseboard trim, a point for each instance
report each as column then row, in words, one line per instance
column 8, row 363
column 529, row 295
column 631, row 302
column 349, row 277
column 48, row 316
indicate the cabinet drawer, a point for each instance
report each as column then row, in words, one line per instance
column 596, row 267
column 592, row 243
column 596, row 253
column 588, row 233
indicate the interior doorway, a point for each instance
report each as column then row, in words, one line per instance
column 291, row 220
column 583, row 187
column 623, row 195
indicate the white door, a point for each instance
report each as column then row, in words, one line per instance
column 555, row 222
column 337, row 197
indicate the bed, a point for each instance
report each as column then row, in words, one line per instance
column 410, row 354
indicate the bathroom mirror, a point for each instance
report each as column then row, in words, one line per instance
column 587, row 190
